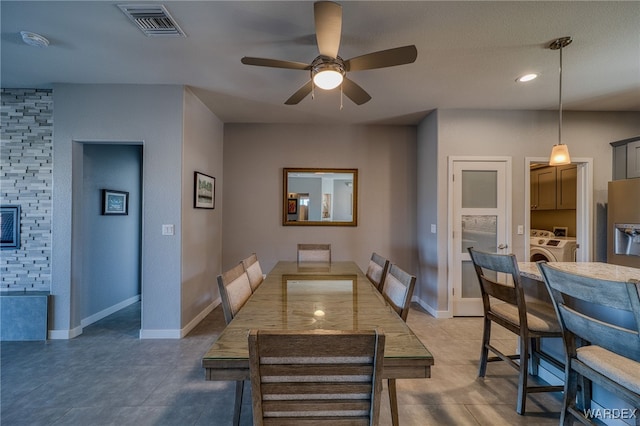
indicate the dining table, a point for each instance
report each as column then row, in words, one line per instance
column 317, row 295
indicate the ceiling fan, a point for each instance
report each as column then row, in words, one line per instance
column 328, row 70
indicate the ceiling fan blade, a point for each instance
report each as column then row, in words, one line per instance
column 275, row 63
column 328, row 19
column 300, row 94
column 383, row 58
column 354, row 92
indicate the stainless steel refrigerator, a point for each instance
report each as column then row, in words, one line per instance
column 623, row 223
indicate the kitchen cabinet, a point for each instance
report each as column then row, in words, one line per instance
column 554, row 188
column 626, row 158
column 566, row 187
column 543, row 188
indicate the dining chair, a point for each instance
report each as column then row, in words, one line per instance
column 504, row 303
column 252, row 267
column 377, row 270
column 314, row 377
column 397, row 290
column 235, row 290
column 314, row 253
column 597, row 350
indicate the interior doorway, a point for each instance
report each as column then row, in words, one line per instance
column 107, row 243
column 583, row 207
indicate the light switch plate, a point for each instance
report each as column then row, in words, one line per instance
column 433, row 228
column 520, row 229
column 167, row 229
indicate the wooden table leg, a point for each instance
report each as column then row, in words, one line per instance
column 393, row 400
column 238, row 403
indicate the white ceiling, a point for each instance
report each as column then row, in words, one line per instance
column 469, row 55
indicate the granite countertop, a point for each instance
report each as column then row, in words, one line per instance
column 599, row 270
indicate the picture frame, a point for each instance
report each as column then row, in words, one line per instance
column 292, row 206
column 10, row 225
column 561, row 231
column 204, row 191
column 115, row 202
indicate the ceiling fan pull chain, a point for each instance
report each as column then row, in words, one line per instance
column 313, row 90
column 341, row 106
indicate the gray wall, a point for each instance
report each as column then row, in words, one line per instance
column 254, row 156
column 201, row 228
column 152, row 115
column 518, row 134
column 110, row 254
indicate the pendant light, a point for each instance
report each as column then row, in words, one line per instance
column 560, row 152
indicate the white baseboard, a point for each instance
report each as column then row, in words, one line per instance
column 75, row 332
column 110, row 310
column 64, row 334
column 434, row 313
column 206, row 311
column 175, row 333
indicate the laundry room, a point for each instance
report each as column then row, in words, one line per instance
column 553, row 213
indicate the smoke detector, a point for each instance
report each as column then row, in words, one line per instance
column 153, row 19
column 33, row 39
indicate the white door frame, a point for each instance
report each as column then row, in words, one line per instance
column 584, row 206
column 450, row 213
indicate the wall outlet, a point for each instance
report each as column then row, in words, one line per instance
column 167, row 229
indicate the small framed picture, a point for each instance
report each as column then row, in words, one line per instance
column 560, row 231
column 10, row 224
column 204, row 196
column 292, row 206
column 115, row 202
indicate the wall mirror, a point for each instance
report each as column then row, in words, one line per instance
column 320, row 197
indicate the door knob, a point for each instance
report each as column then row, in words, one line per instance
column 502, row 246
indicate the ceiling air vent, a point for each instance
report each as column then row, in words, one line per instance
column 153, row 19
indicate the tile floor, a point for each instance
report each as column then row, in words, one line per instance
column 107, row 376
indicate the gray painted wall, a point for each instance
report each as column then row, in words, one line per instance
column 110, row 246
column 151, row 115
column 201, row 229
column 518, row 134
column 254, row 156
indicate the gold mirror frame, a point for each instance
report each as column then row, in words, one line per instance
column 292, row 206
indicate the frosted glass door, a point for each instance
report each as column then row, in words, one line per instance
column 479, row 216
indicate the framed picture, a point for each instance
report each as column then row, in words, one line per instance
column 560, row 231
column 204, row 195
column 115, row 202
column 292, row 206
column 10, row 224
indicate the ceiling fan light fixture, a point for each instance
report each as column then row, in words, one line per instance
column 327, row 79
column 327, row 73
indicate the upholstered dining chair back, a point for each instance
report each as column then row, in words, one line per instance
column 314, row 253
column 504, row 303
column 596, row 349
column 377, row 270
column 235, row 289
column 316, row 377
column 254, row 271
column 397, row 289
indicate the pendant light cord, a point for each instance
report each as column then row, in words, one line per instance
column 560, row 101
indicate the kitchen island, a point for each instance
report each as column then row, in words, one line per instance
column 534, row 286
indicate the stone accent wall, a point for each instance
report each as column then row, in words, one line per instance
column 26, row 171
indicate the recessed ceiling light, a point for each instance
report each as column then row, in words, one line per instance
column 33, row 39
column 526, row 77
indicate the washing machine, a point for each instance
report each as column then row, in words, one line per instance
column 545, row 246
